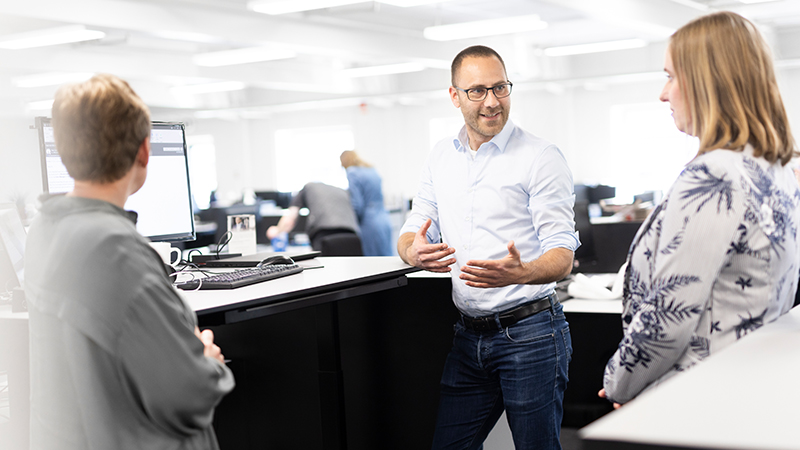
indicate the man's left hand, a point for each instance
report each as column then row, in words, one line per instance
column 492, row 273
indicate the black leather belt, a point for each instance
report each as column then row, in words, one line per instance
column 510, row 317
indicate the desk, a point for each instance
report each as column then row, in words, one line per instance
column 596, row 330
column 14, row 362
column 340, row 278
column 283, row 339
column 744, row 397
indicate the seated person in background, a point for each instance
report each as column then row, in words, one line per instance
column 719, row 256
column 366, row 196
column 329, row 212
column 116, row 358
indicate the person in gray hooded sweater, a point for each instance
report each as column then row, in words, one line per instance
column 116, row 358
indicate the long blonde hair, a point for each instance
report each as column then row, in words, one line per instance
column 725, row 70
column 350, row 158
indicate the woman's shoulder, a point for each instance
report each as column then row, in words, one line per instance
column 720, row 164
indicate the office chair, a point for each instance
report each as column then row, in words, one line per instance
column 341, row 244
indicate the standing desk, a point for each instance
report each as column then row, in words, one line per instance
column 14, row 423
column 744, row 397
column 338, row 278
column 321, row 288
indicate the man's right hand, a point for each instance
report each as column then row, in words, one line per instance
column 415, row 250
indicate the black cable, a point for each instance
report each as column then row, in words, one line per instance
column 227, row 238
column 189, row 255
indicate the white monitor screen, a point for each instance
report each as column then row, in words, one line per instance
column 164, row 203
column 12, row 248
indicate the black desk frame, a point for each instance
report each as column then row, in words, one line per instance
column 324, row 298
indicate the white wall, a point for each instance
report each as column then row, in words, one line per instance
column 20, row 171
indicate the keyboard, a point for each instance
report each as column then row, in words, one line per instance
column 239, row 278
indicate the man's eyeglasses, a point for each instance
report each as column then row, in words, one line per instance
column 479, row 94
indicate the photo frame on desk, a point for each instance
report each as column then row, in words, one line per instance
column 242, row 229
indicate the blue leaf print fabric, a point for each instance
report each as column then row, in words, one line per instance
column 717, row 259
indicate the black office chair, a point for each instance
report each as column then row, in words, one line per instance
column 341, row 244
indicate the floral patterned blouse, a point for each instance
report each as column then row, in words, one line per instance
column 717, row 259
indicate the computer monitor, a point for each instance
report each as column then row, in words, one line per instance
column 164, row 203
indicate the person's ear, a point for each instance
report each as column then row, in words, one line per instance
column 454, row 97
column 143, row 156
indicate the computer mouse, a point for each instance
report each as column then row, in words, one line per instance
column 275, row 260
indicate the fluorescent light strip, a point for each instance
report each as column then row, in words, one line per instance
column 596, row 47
column 388, row 69
column 50, row 79
column 206, row 88
column 292, row 6
column 481, row 28
column 693, row 4
column 187, row 36
column 750, row 2
column 241, row 56
column 50, row 36
column 40, row 105
column 410, row 3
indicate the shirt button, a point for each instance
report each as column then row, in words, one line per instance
column 468, row 218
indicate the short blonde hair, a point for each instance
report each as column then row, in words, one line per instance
column 99, row 126
column 725, row 70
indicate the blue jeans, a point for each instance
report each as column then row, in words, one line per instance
column 522, row 369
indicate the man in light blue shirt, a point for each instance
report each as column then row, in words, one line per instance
column 494, row 209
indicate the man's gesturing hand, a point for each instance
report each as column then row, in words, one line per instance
column 490, row 273
column 415, row 250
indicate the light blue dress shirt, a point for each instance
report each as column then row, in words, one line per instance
column 518, row 187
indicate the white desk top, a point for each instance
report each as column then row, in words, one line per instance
column 335, row 271
column 590, row 305
column 6, row 314
column 744, row 397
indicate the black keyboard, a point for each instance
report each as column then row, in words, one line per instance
column 243, row 277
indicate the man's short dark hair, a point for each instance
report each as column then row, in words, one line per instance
column 477, row 51
column 99, row 126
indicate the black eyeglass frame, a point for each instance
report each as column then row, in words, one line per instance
column 467, row 91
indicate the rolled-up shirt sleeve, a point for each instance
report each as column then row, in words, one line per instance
column 424, row 207
column 551, row 201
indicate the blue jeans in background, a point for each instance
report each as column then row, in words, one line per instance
column 522, row 369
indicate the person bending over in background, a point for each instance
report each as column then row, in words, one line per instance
column 366, row 197
column 502, row 200
column 116, row 358
column 329, row 213
column 719, row 257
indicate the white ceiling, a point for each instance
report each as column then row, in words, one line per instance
column 151, row 43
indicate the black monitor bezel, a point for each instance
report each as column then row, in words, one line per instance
column 182, row 237
column 175, row 237
column 40, row 123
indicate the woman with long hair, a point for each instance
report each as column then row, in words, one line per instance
column 366, row 196
column 719, row 256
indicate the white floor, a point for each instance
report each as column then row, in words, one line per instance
column 500, row 437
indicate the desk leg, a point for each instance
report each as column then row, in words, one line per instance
column 331, row 387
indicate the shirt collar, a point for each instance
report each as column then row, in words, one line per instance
column 500, row 140
column 61, row 205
